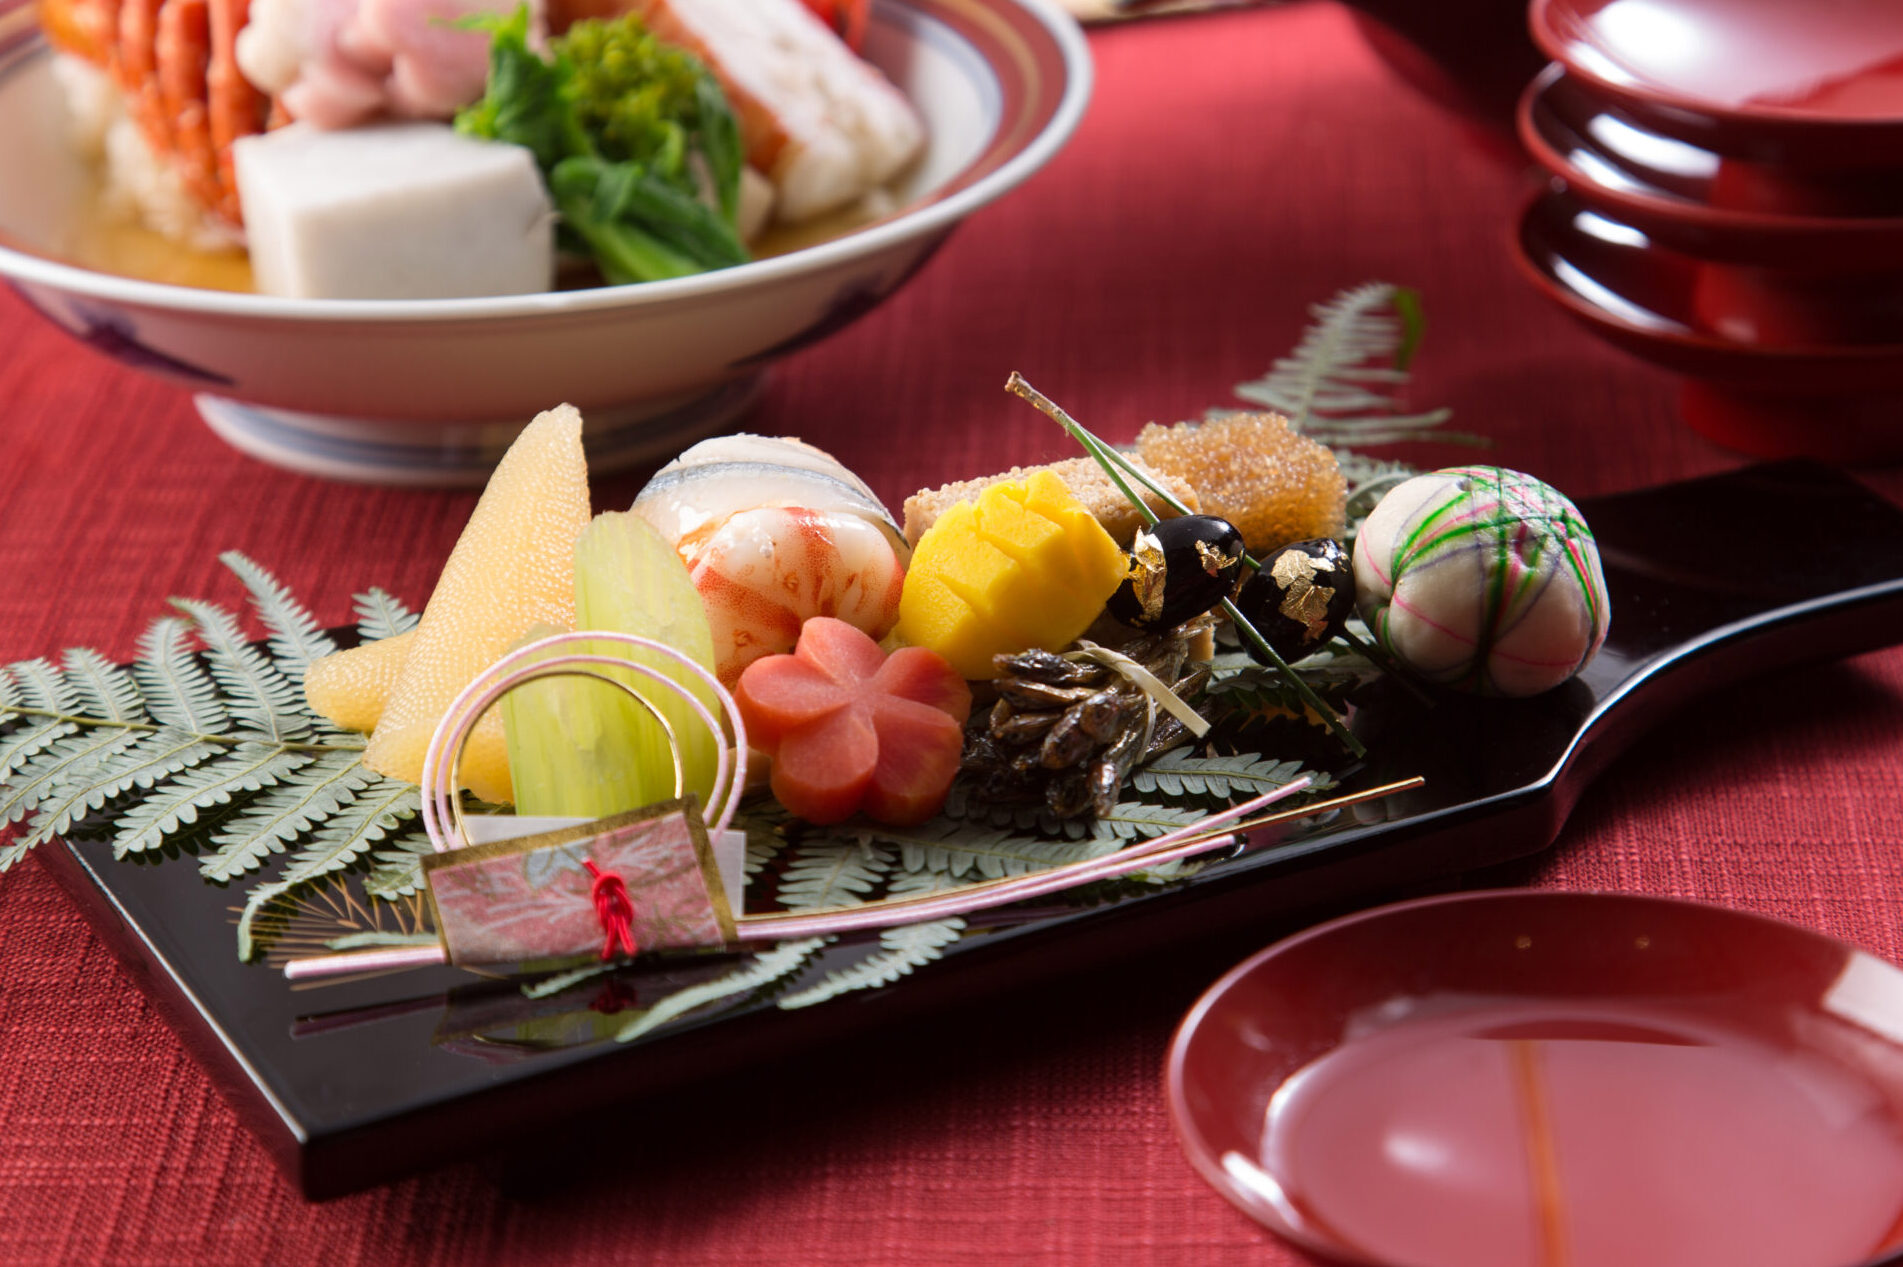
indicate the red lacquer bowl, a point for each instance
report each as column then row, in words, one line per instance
column 1681, row 196
column 1522, row 1079
column 1811, row 84
column 1837, row 402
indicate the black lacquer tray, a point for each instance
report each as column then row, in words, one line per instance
column 361, row 1082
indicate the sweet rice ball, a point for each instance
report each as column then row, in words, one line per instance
column 1482, row 579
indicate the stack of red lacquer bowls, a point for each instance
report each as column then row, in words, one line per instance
column 1727, row 202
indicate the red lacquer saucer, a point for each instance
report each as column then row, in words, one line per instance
column 1693, row 200
column 1530, row 1079
column 1779, row 395
column 1812, row 83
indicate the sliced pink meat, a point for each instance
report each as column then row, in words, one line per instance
column 341, row 63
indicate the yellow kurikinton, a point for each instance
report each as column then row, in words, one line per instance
column 1024, row 566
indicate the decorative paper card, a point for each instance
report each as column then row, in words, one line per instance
column 730, row 847
column 558, row 895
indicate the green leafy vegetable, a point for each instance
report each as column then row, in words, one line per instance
column 635, row 140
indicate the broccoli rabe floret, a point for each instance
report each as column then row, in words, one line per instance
column 635, row 140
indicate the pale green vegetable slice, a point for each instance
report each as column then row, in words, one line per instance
column 581, row 748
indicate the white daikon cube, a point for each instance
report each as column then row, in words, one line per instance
column 393, row 211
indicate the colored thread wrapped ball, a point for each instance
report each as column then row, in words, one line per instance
column 1482, row 579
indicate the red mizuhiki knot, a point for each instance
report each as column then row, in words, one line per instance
column 613, row 909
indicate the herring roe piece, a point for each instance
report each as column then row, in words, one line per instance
column 1274, row 484
column 1482, row 579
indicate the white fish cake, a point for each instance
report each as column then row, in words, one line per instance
column 396, row 211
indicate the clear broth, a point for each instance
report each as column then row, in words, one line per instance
column 1535, row 1134
column 109, row 243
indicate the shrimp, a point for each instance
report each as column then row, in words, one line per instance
column 765, row 572
column 237, row 109
column 137, row 71
column 182, row 53
column 173, row 65
column 87, row 29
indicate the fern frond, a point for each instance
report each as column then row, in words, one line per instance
column 953, row 848
column 105, row 690
column 1180, row 773
column 155, row 757
column 827, row 873
column 1030, row 820
column 39, row 789
column 178, row 691
column 294, row 635
column 564, row 980
column 43, row 687
column 901, row 950
column 761, row 851
column 398, row 871
column 10, row 699
column 283, row 813
column 1342, row 383
column 261, row 697
column 27, row 741
column 247, row 768
column 379, row 808
column 1133, row 820
column 381, row 614
column 757, row 973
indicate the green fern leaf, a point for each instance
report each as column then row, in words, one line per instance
column 379, row 808
column 828, row 873
column 756, row 973
column 283, row 813
column 153, row 758
column 761, row 851
column 1341, row 385
column 28, row 741
column 248, row 768
column 381, row 614
column 10, row 698
column 1032, row 820
column 564, row 980
column 178, row 691
column 902, row 950
column 261, row 697
column 105, row 690
column 43, row 687
column 39, row 786
column 1133, row 820
column 293, row 634
column 398, row 871
column 957, row 849
column 1179, row 773
column 765, row 826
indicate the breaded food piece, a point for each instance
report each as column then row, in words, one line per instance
column 1274, row 484
column 1082, row 476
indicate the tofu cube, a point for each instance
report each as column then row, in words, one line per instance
column 393, row 211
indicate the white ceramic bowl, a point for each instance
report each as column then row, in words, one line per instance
column 432, row 391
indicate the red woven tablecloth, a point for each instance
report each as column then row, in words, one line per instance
column 1231, row 170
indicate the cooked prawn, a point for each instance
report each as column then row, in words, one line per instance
column 764, row 573
column 237, row 109
column 182, row 51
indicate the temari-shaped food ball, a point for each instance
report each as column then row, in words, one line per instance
column 1482, row 579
